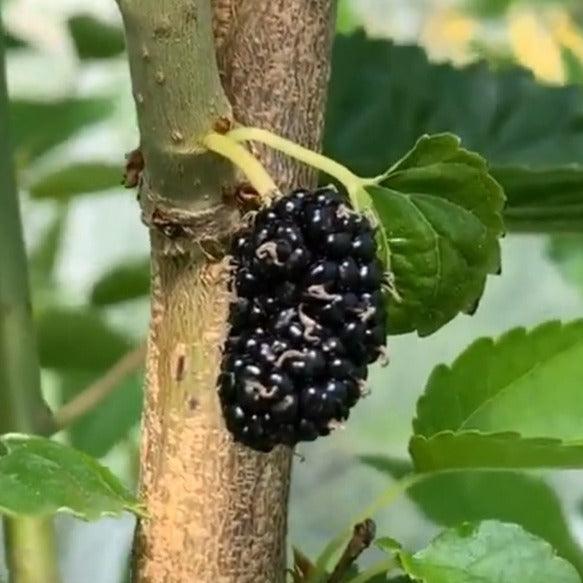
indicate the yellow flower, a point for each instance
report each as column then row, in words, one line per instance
column 534, row 46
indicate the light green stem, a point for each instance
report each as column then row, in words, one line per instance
column 30, row 546
column 31, row 550
column 244, row 160
column 377, row 569
column 349, row 180
column 385, row 499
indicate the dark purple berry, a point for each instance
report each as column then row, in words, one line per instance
column 297, row 262
column 308, row 315
column 348, row 273
column 371, row 275
column 322, row 273
column 285, row 410
column 340, row 368
column 364, row 247
column 338, row 244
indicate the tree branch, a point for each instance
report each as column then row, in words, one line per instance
column 362, row 537
column 30, row 546
column 217, row 510
column 100, row 389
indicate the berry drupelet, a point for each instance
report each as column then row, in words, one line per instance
column 306, row 319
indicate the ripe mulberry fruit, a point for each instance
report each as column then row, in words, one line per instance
column 307, row 317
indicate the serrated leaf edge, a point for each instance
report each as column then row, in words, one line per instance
column 494, row 343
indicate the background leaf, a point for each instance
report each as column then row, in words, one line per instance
column 12, row 41
column 76, row 179
column 544, row 198
column 488, row 552
column 43, row 258
column 39, row 126
column 95, row 39
column 77, row 339
column 504, row 115
column 473, row 496
column 127, row 281
column 111, row 421
column 567, row 252
column 440, row 212
column 39, row 476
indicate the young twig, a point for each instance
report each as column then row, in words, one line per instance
column 362, row 537
column 100, row 389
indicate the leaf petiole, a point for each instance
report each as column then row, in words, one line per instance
column 379, row 568
column 386, row 498
column 348, row 179
column 244, row 160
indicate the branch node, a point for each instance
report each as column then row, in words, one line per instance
column 362, row 537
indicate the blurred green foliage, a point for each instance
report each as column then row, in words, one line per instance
column 39, row 126
column 382, row 98
column 95, row 39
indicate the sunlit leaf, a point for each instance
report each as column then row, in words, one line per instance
column 523, row 409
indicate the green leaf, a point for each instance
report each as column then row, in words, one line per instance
column 303, row 568
column 506, row 416
column 95, row 39
column 572, row 65
column 567, row 252
column 488, row 8
column 512, row 391
column 346, row 20
column 507, row 496
column 44, row 256
column 542, row 199
column 388, row 544
column 440, row 212
column 13, row 42
column 382, row 97
column 472, row 449
column 111, row 420
column 124, row 282
column 365, row 205
column 77, row 179
column 40, row 477
column 77, row 339
column 488, row 552
column 39, row 126
column 395, row 467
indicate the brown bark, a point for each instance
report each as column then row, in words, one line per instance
column 217, row 510
column 274, row 60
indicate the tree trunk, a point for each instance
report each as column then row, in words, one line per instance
column 217, row 510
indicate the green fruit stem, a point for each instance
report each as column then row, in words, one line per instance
column 348, row 179
column 380, row 568
column 258, row 177
column 31, row 550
